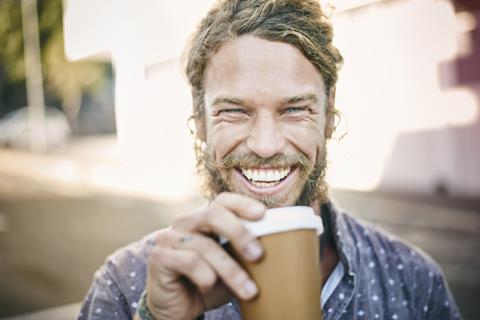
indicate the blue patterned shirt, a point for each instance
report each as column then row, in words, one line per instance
column 383, row 278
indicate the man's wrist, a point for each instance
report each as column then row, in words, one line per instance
column 143, row 311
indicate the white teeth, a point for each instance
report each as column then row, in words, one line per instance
column 265, row 175
column 276, row 175
column 270, row 176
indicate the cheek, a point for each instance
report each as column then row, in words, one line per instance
column 308, row 139
column 226, row 138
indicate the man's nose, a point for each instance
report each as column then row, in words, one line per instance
column 266, row 138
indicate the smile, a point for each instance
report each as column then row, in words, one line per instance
column 265, row 178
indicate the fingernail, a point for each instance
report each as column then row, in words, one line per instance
column 253, row 250
column 249, row 288
column 258, row 208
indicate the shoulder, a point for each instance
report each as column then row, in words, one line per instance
column 130, row 258
column 400, row 267
column 397, row 253
column 127, row 267
column 119, row 282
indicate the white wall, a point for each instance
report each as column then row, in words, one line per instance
column 143, row 39
column 390, row 92
column 403, row 127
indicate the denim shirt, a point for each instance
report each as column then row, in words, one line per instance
column 384, row 278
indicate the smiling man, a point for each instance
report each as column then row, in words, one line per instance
column 265, row 121
column 263, row 77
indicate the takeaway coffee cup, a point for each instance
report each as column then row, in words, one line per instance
column 288, row 276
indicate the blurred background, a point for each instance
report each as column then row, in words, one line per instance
column 95, row 150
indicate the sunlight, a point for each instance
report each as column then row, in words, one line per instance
column 390, row 84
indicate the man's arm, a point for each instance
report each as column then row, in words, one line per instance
column 189, row 272
column 180, row 269
column 443, row 306
column 104, row 299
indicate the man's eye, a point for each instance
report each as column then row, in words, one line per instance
column 291, row 110
column 232, row 110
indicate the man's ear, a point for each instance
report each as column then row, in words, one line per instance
column 200, row 130
column 330, row 114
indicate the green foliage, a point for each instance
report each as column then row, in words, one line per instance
column 68, row 79
column 11, row 40
column 65, row 79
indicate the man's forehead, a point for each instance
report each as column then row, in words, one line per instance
column 253, row 66
column 249, row 54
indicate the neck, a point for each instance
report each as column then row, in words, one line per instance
column 328, row 249
column 328, row 261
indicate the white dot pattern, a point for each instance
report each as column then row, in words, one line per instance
column 378, row 274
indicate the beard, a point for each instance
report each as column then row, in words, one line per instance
column 311, row 185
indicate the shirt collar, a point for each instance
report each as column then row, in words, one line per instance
column 342, row 235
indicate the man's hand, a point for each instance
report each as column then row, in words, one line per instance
column 189, row 272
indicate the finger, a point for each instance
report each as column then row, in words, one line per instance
column 167, row 265
column 224, row 265
column 243, row 206
column 220, row 220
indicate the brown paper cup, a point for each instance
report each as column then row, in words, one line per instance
column 288, row 276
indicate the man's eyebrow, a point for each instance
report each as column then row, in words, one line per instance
column 303, row 97
column 228, row 100
column 312, row 97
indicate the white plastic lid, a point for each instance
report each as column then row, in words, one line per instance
column 285, row 219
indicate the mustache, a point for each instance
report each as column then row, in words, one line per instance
column 249, row 160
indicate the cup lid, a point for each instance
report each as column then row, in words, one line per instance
column 285, row 219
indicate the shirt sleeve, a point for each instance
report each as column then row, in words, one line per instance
column 119, row 283
column 443, row 306
column 104, row 300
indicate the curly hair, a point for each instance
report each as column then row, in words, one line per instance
column 300, row 23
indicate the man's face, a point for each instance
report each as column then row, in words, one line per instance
column 265, row 121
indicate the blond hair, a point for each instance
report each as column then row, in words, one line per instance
column 300, row 23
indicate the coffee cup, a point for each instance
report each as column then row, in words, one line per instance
column 288, row 275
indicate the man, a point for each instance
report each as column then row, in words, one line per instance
column 263, row 76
